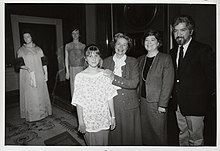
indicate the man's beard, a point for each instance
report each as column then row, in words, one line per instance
column 180, row 40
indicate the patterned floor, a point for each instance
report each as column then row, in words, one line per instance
column 20, row 132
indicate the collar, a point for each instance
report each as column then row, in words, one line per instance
column 186, row 45
column 120, row 61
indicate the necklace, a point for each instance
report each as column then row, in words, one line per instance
column 152, row 53
column 145, row 59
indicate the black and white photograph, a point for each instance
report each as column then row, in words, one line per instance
column 107, row 76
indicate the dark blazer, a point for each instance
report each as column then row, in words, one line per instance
column 128, row 82
column 160, row 79
column 196, row 79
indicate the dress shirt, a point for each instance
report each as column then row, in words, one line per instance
column 185, row 46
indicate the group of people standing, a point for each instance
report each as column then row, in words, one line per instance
column 185, row 77
column 140, row 90
column 122, row 100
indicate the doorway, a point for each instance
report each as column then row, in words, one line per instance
column 44, row 36
column 48, row 36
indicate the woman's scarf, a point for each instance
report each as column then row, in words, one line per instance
column 118, row 64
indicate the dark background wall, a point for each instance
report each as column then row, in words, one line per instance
column 98, row 25
column 71, row 15
column 135, row 19
column 204, row 17
column 111, row 18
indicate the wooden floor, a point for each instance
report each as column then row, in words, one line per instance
column 62, row 98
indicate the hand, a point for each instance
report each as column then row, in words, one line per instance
column 67, row 75
column 45, row 77
column 108, row 73
column 161, row 109
column 113, row 124
column 82, row 128
column 32, row 79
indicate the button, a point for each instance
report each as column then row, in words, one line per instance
column 122, row 83
column 177, row 81
column 122, row 94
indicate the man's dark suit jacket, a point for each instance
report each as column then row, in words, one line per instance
column 196, row 79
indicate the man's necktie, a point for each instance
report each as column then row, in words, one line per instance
column 180, row 56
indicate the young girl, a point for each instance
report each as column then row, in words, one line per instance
column 93, row 98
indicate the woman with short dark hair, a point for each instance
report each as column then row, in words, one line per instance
column 156, row 82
